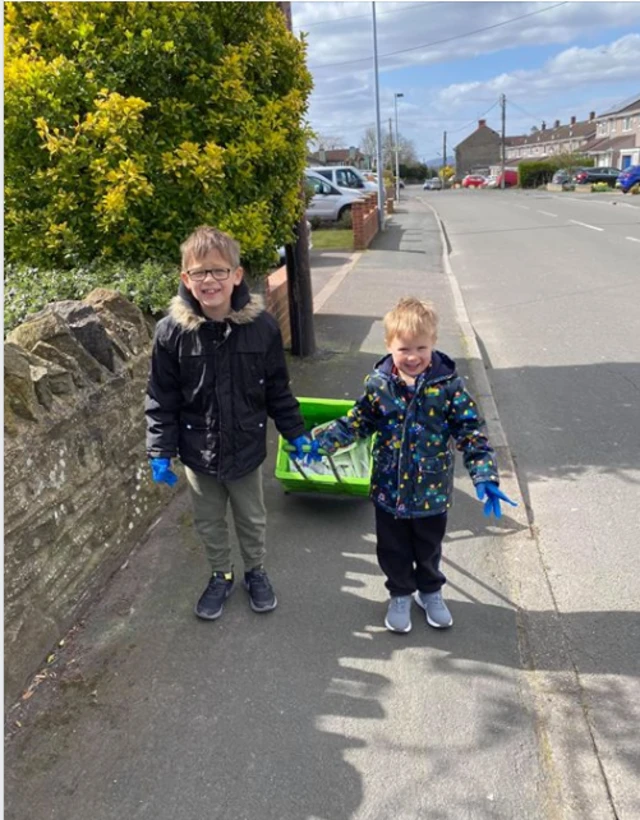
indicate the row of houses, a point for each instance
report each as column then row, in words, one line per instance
column 612, row 139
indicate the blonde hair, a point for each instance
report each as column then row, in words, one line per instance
column 411, row 317
column 205, row 239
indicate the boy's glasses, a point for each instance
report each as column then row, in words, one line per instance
column 219, row 274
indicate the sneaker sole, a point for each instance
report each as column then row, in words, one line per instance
column 259, row 609
column 398, row 631
column 416, row 598
column 218, row 613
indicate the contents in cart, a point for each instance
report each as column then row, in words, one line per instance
column 352, row 461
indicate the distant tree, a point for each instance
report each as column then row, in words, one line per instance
column 406, row 150
column 326, row 142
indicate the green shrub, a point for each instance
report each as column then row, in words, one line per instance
column 129, row 124
column 150, row 286
column 345, row 221
column 600, row 188
column 635, row 189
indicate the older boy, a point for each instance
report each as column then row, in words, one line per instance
column 217, row 371
column 415, row 402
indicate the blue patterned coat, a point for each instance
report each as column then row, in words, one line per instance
column 412, row 450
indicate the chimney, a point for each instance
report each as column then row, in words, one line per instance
column 556, row 124
column 544, row 126
column 592, row 116
column 482, row 123
column 573, row 120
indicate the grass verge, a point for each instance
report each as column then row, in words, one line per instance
column 333, row 240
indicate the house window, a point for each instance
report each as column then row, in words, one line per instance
column 626, row 125
column 613, row 127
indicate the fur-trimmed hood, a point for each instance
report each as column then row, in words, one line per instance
column 185, row 309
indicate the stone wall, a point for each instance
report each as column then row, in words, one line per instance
column 78, row 492
column 78, row 495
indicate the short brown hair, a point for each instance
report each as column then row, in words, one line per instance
column 411, row 317
column 205, row 239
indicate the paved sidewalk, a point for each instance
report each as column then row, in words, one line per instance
column 315, row 711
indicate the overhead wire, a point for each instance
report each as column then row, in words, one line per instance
column 468, row 124
column 441, row 42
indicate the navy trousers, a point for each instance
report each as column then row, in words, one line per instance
column 409, row 552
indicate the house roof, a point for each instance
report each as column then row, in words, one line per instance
column 475, row 133
column 630, row 104
column 338, row 155
column 615, row 144
column 583, row 129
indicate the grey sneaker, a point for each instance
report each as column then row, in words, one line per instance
column 435, row 609
column 398, row 617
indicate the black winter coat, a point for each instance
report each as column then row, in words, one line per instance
column 213, row 384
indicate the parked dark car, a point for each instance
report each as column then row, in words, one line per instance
column 599, row 174
column 563, row 177
column 628, row 178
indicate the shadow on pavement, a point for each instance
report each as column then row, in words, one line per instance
column 153, row 714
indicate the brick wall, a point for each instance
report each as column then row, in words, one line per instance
column 365, row 221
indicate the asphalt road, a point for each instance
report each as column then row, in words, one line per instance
column 552, row 286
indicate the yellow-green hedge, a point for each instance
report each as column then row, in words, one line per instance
column 129, row 124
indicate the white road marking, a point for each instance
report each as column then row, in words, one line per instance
column 524, row 207
column 632, row 239
column 584, row 225
column 547, row 213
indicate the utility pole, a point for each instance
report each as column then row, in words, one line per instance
column 395, row 102
column 444, row 156
column 390, row 146
column 503, row 104
column 380, row 167
column 303, row 340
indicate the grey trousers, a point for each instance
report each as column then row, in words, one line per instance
column 210, row 499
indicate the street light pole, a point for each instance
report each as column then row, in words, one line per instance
column 381, row 196
column 395, row 102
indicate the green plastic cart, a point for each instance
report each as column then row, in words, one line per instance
column 293, row 476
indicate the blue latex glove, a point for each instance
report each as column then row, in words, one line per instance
column 161, row 471
column 493, row 495
column 308, row 456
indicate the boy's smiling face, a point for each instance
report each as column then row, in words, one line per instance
column 213, row 294
column 411, row 355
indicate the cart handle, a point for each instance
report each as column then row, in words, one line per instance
column 306, row 448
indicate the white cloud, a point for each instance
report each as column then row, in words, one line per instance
column 576, row 80
column 572, row 68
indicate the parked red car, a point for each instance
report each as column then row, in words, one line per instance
column 473, row 181
column 510, row 178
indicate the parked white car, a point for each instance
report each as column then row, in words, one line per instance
column 345, row 176
column 329, row 203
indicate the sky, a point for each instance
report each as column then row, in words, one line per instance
column 557, row 61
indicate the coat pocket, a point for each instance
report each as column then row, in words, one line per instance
column 433, row 482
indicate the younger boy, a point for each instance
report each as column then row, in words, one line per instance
column 217, row 371
column 415, row 402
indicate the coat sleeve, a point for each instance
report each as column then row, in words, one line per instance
column 163, row 399
column 360, row 422
column 466, row 426
column 282, row 405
